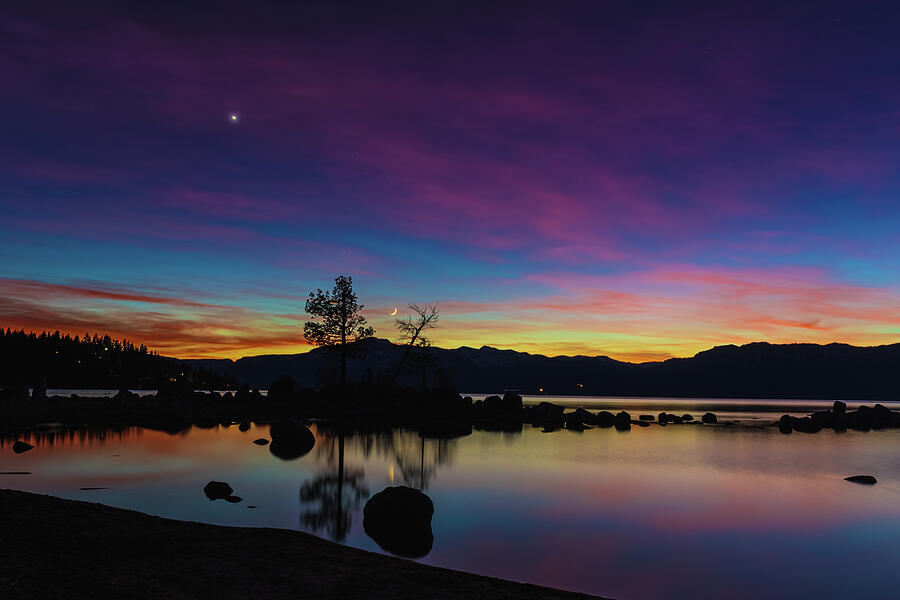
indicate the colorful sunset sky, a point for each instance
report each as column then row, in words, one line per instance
column 637, row 180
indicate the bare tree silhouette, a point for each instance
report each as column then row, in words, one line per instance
column 411, row 328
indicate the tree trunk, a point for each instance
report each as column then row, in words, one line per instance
column 343, row 365
column 424, row 374
column 340, row 490
column 403, row 359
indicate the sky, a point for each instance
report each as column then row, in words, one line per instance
column 638, row 180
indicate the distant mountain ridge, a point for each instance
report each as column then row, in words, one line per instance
column 755, row 370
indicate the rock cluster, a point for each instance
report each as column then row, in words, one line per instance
column 496, row 413
column 552, row 417
column 839, row 419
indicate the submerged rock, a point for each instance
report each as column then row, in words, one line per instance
column 216, row 490
column 866, row 479
column 646, row 417
column 19, row 447
column 233, row 499
column 261, row 441
column 399, row 520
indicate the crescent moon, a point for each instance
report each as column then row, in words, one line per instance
column 393, row 313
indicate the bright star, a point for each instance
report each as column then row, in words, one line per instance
column 233, row 117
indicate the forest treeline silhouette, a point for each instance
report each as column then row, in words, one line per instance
column 93, row 361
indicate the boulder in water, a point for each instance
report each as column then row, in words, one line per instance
column 806, row 425
column 19, row 447
column 511, row 402
column 215, row 490
column 579, row 418
column 786, row 424
column 865, row 479
column 290, row 440
column 399, row 520
column 604, row 418
column 709, row 418
column 492, row 403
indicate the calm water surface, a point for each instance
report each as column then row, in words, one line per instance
column 676, row 512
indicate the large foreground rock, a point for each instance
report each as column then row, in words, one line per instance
column 399, row 520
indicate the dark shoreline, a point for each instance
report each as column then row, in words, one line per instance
column 439, row 414
column 56, row 548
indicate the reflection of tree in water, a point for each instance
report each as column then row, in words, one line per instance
column 329, row 500
column 418, row 459
column 75, row 436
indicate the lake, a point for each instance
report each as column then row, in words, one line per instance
column 690, row 511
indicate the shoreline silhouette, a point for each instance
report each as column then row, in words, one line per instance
column 101, row 551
